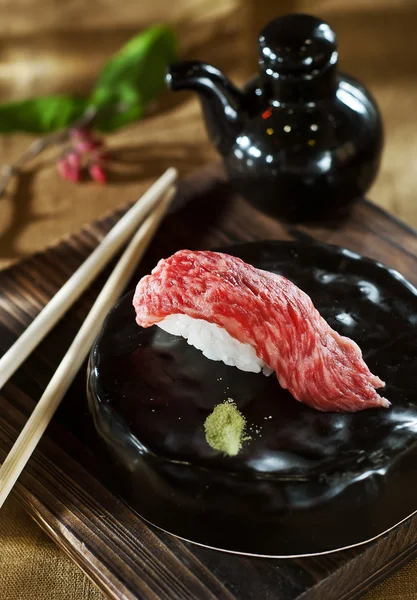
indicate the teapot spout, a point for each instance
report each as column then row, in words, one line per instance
column 222, row 102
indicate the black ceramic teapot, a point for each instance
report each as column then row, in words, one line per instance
column 302, row 140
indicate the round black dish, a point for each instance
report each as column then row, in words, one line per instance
column 307, row 482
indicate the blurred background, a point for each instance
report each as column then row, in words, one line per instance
column 49, row 46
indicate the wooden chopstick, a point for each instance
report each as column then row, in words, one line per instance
column 79, row 349
column 81, row 279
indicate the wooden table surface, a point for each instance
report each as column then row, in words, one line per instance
column 377, row 44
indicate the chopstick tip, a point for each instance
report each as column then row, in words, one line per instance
column 172, row 172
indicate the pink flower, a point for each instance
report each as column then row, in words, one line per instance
column 85, row 153
column 88, row 145
column 63, row 168
column 97, row 173
column 74, row 162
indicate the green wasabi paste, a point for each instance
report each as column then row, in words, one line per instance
column 225, row 428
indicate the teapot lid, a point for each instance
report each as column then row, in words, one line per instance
column 298, row 48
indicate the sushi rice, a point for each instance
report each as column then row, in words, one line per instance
column 214, row 342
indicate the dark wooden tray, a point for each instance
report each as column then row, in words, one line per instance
column 61, row 486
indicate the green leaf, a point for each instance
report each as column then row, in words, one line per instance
column 133, row 77
column 40, row 115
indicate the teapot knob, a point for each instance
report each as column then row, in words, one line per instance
column 294, row 49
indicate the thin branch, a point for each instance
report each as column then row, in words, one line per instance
column 36, row 147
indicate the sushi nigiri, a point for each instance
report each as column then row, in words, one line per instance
column 256, row 320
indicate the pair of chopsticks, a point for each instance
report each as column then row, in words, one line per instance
column 147, row 212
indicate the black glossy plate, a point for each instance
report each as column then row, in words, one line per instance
column 308, row 482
